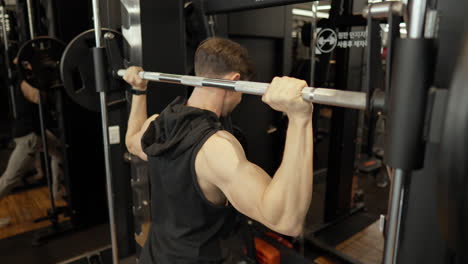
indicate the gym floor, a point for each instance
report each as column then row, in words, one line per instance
column 365, row 246
column 23, row 208
column 357, row 236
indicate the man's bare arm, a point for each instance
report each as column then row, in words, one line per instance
column 282, row 202
column 133, row 141
column 138, row 120
column 29, row 92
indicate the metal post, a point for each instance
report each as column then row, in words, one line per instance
column 53, row 216
column 313, row 28
column 417, row 18
column 4, row 31
column 32, row 32
column 105, row 132
column 416, row 31
column 46, row 159
column 109, row 186
column 211, row 25
column 11, row 88
column 395, row 210
column 97, row 23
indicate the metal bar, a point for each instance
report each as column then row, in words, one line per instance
column 393, row 34
column 373, row 73
column 313, row 41
column 403, row 204
column 32, row 32
column 53, row 216
column 313, row 30
column 211, row 25
column 97, row 23
column 11, row 88
column 417, row 18
column 416, row 31
column 4, row 31
column 394, row 217
column 46, row 160
column 59, row 106
column 226, row 6
column 332, row 97
column 109, row 185
column 105, row 133
column 383, row 10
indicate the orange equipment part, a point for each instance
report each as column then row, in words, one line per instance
column 266, row 253
column 279, row 239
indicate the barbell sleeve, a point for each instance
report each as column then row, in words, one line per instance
column 332, row 97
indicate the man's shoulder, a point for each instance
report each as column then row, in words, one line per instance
column 219, row 155
column 220, row 145
column 221, row 138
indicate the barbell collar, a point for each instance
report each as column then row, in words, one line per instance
column 332, row 97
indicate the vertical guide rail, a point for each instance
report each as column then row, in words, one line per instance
column 313, row 40
column 52, row 215
column 32, row 32
column 313, row 29
column 101, row 85
column 416, row 30
column 7, row 60
column 394, row 217
column 417, row 18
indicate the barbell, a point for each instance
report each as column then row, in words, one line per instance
column 332, row 97
column 76, row 68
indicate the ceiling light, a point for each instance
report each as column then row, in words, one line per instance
column 307, row 13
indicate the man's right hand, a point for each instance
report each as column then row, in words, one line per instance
column 131, row 77
column 285, row 94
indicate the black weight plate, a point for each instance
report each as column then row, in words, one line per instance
column 39, row 61
column 77, row 70
column 453, row 174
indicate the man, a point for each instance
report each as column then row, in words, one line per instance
column 198, row 169
column 26, row 134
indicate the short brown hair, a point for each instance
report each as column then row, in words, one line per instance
column 216, row 57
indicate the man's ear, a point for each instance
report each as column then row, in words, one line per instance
column 233, row 76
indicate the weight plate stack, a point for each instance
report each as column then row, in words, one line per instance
column 77, row 69
column 453, row 174
column 39, row 61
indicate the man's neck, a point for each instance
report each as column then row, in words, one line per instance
column 208, row 99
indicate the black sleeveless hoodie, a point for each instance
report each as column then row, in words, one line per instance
column 186, row 228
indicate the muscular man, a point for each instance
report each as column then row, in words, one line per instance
column 26, row 134
column 198, row 169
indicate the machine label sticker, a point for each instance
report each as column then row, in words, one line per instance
column 114, row 135
column 328, row 39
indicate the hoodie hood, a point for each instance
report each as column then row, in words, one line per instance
column 177, row 129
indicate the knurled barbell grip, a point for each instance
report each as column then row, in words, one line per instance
column 332, row 97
